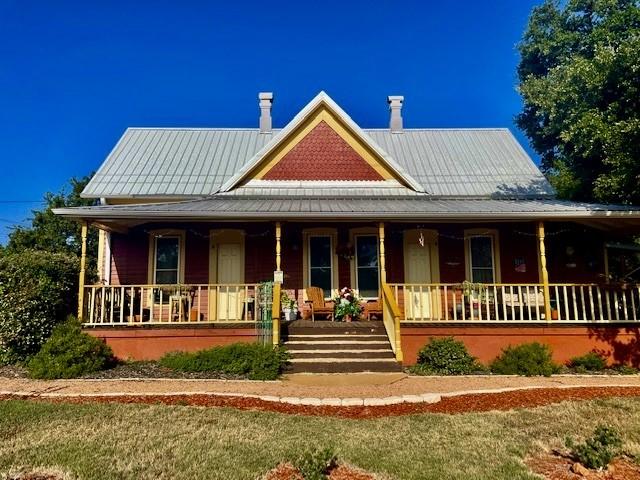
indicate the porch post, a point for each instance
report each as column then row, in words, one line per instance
column 83, row 263
column 383, row 268
column 544, row 273
column 275, row 311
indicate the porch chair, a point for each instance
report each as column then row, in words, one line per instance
column 315, row 299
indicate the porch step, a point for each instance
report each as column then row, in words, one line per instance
column 334, row 347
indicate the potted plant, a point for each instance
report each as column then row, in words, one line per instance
column 476, row 293
column 289, row 306
column 348, row 306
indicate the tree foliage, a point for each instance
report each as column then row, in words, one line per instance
column 579, row 77
column 52, row 233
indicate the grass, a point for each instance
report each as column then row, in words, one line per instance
column 106, row 441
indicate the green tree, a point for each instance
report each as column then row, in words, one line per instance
column 579, row 77
column 55, row 234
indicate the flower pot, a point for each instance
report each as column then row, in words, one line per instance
column 347, row 318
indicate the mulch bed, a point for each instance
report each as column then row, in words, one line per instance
column 555, row 466
column 286, row 471
column 465, row 403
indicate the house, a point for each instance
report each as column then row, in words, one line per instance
column 441, row 231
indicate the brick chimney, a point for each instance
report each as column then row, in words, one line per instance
column 265, row 100
column 395, row 107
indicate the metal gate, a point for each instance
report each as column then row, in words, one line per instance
column 264, row 322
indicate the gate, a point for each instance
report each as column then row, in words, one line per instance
column 264, row 322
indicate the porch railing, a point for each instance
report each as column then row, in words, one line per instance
column 164, row 304
column 486, row 303
column 391, row 319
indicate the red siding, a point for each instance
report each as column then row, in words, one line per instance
column 129, row 258
column 196, row 268
column 322, row 155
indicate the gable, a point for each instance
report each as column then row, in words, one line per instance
column 322, row 154
column 322, row 147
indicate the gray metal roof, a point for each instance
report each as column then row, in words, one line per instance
column 297, row 207
column 181, row 162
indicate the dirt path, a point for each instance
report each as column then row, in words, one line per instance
column 480, row 402
column 318, row 386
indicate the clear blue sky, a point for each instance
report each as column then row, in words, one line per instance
column 75, row 74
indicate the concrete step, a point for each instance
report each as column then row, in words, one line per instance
column 344, row 367
column 342, row 360
column 342, row 354
column 338, row 336
column 336, row 346
column 335, row 341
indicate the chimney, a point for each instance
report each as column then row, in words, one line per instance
column 265, row 101
column 395, row 106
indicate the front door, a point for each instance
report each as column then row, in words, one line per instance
column 230, row 293
column 418, row 273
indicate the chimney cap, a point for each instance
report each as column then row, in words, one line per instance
column 395, row 99
column 265, row 96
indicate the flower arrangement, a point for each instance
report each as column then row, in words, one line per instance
column 347, row 305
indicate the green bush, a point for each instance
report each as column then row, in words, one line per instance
column 526, row 359
column 445, row 356
column 70, row 353
column 598, row 450
column 589, row 362
column 37, row 291
column 624, row 369
column 315, row 464
column 252, row 360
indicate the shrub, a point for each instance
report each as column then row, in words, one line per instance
column 37, row 291
column 598, row 450
column 589, row 362
column 445, row 356
column 252, row 360
column 70, row 353
column 624, row 369
column 526, row 359
column 315, row 464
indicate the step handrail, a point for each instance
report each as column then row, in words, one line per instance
column 391, row 319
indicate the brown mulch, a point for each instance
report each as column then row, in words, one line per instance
column 286, row 471
column 555, row 466
column 34, row 476
column 481, row 402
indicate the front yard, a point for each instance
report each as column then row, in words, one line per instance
column 106, row 441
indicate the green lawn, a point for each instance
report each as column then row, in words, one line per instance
column 101, row 441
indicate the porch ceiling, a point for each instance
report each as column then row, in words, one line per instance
column 229, row 207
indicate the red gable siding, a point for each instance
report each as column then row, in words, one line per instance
column 322, row 155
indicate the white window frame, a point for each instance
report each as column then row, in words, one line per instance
column 153, row 253
column 331, row 261
column 492, row 235
column 355, row 261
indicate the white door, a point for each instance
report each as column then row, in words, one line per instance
column 417, row 299
column 230, row 293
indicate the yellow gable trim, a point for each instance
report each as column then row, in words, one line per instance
column 319, row 115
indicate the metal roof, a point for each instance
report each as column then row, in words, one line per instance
column 297, row 207
column 184, row 162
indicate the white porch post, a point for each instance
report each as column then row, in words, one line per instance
column 544, row 274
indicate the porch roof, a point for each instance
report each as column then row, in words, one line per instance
column 408, row 208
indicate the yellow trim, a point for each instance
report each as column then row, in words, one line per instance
column 430, row 237
column 100, row 261
column 323, row 113
column 153, row 234
column 544, row 272
column 319, row 232
column 495, row 245
column 353, row 234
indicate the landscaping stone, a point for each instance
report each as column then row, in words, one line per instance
column 352, row 402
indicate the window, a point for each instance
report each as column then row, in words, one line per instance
column 167, row 260
column 320, row 263
column 367, row 271
column 481, row 259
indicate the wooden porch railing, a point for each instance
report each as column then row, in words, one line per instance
column 170, row 304
column 487, row 303
column 391, row 316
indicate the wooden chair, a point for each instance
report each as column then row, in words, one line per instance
column 373, row 308
column 315, row 299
